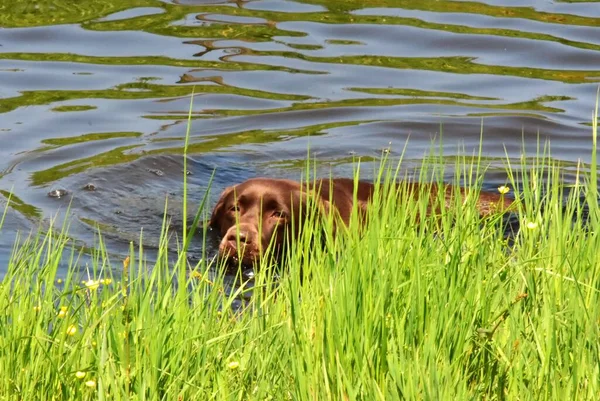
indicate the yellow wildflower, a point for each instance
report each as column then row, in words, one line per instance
column 503, row 189
column 90, row 383
column 233, row 365
column 63, row 311
column 92, row 284
column 79, row 374
column 71, row 330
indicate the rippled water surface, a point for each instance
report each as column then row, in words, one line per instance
column 98, row 92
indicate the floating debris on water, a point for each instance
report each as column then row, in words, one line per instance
column 89, row 187
column 58, row 193
column 156, row 171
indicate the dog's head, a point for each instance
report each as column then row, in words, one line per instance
column 259, row 213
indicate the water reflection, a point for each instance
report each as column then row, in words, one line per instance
column 100, row 93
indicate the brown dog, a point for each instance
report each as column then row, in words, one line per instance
column 263, row 211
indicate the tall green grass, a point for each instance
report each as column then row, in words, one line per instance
column 406, row 308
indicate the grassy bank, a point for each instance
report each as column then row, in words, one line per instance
column 439, row 309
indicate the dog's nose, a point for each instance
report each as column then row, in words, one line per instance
column 235, row 235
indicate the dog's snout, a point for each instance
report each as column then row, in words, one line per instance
column 241, row 243
column 239, row 234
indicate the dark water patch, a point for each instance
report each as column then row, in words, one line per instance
column 130, row 197
column 13, row 228
column 130, row 200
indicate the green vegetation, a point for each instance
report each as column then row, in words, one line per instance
column 64, row 109
column 430, row 308
column 99, row 136
column 17, row 204
column 118, row 155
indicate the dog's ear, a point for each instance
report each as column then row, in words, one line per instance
column 218, row 209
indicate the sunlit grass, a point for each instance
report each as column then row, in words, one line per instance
column 409, row 307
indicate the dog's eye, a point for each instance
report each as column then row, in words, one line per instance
column 234, row 208
column 279, row 214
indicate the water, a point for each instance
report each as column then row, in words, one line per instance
column 99, row 93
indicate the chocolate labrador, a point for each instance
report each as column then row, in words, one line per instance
column 265, row 211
